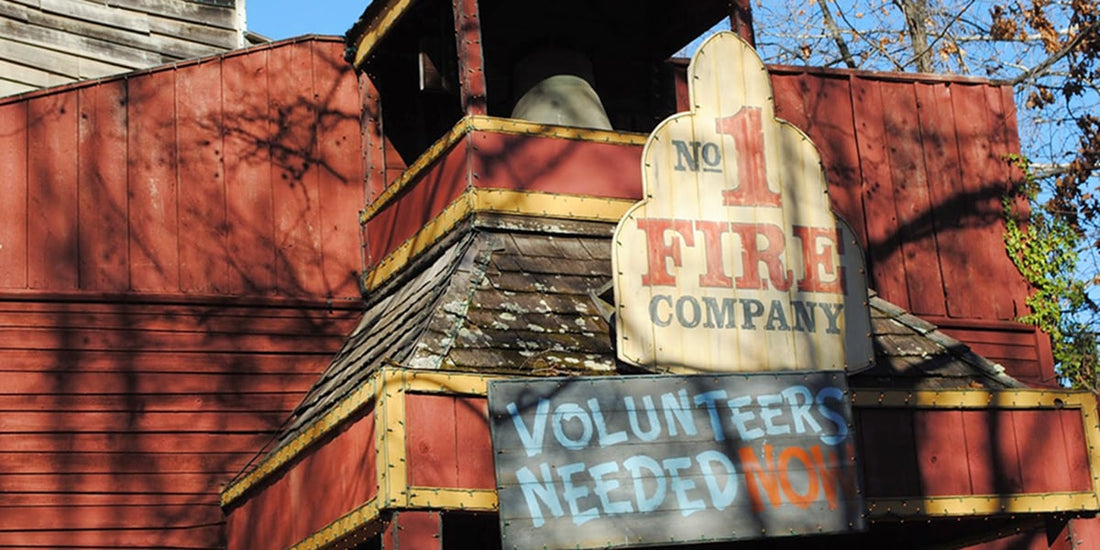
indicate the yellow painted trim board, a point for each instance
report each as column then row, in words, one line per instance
column 393, row 475
column 449, row 383
column 983, row 505
column 972, row 399
column 378, row 30
column 428, row 235
column 337, row 532
column 442, row 498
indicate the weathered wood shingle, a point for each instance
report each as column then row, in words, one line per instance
column 524, row 303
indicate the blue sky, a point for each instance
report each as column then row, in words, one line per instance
column 278, row 19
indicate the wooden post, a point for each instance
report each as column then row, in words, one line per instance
column 370, row 128
column 413, row 530
column 741, row 20
column 471, row 59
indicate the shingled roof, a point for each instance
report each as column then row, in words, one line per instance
column 511, row 296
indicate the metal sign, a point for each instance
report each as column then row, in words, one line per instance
column 734, row 261
column 644, row 460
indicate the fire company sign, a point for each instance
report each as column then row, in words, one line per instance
column 642, row 460
column 733, row 265
column 734, row 261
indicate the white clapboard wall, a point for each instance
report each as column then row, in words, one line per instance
column 50, row 42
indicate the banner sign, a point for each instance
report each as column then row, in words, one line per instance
column 734, row 261
column 625, row 461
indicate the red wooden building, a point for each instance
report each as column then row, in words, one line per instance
column 287, row 280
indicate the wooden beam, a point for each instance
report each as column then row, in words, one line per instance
column 741, row 20
column 471, row 58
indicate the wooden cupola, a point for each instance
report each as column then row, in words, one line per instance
column 468, row 95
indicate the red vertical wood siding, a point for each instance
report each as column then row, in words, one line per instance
column 51, row 199
column 201, row 174
column 153, row 155
column 884, row 255
column 250, row 218
column 447, row 440
column 929, row 166
column 13, row 187
column 972, row 452
column 102, row 186
column 333, row 479
column 167, row 297
column 341, row 181
column 233, row 176
column 918, row 166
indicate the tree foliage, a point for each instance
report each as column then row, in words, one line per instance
column 1049, row 50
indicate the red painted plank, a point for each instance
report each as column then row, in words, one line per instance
column 206, row 320
column 202, row 203
column 110, row 483
column 106, row 340
column 831, row 125
column 123, row 463
column 86, row 518
column 341, row 176
column 1002, row 108
column 430, row 440
column 941, row 158
column 887, row 447
column 336, row 478
column 977, row 201
column 13, row 187
column 941, row 452
column 884, row 259
column 170, row 362
column 52, row 192
column 789, row 92
column 1044, row 466
column 240, row 401
column 528, row 163
column 474, row 449
column 418, row 204
column 268, row 362
column 1077, row 450
column 103, row 208
column 916, row 215
column 152, row 173
column 130, row 442
column 146, row 382
column 262, row 521
column 370, row 132
column 992, row 447
column 298, row 263
column 135, row 421
column 250, row 224
column 414, row 530
column 183, row 536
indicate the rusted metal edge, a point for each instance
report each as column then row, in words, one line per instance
column 495, row 201
column 974, row 399
column 982, row 505
column 496, row 125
